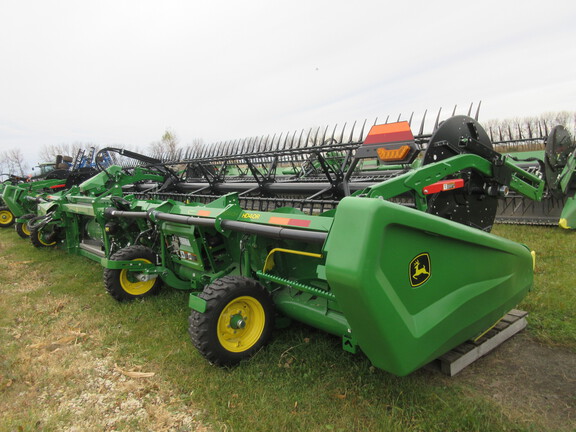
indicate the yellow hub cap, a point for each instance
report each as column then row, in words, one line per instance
column 133, row 286
column 241, row 324
column 25, row 229
column 6, row 217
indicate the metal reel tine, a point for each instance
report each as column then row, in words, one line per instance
column 258, row 145
column 315, row 142
column 437, row 119
column 228, row 148
column 261, row 144
column 470, row 109
column 221, row 149
column 300, row 139
column 352, row 132
column 271, row 144
column 278, row 146
column 510, row 133
column 361, row 137
column 292, row 141
column 289, row 145
column 399, row 115
column 490, row 133
column 239, row 149
column 235, row 147
column 454, row 110
column 307, row 142
column 207, row 151
column 478, row 111
column 375, row 121
column 285, row 141
column 214, row 150
column 421, row 131
column 342, row 133
column 529, row 131
column 324, row 135
column 519, row 131
column 387, row 117
column 410, row 119
column 333, row 133
column 546, row 128
column 500, row 133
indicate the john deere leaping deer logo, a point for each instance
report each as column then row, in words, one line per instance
column 420, row 269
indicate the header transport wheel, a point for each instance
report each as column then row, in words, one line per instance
column 238, row 320
column 44, row 236
column 22, row 227
column 123, row 284
column 6, row 217
column 470, row 205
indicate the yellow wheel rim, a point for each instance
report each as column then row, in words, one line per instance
column 41, row 240
column 241, row 324
column 25, row 229
column 6, row 217
column 133, row 286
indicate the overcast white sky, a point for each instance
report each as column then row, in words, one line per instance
column 121, row 72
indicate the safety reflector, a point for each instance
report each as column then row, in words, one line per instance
column 398, row 154
column 389, row 133
column 443, row 186
column 288, row 221
column 57, row 186
column 203, row 212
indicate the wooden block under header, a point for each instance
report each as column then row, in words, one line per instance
column 465, row 354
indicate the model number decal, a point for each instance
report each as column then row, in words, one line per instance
column 252, row 216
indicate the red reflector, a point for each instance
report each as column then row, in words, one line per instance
column 288, row 221
column 390, row 132
column 57, row 186
column 443, row 186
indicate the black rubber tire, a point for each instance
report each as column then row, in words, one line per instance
column 7, row 218
column 221, row 295
column 21, row 228
column 41, row 238
column 117, row 282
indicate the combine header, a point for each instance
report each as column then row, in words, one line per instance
column 548, row 154
column 373, row 234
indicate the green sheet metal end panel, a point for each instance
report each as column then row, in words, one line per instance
column 568, row 216
column 413, row 286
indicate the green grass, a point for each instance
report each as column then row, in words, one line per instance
column 301, row 381
column 552, row 302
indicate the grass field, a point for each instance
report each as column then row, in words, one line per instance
column 74, row 359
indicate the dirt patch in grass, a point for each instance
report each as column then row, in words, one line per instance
column 55, row 375
column 58, row 385
column 532, row 382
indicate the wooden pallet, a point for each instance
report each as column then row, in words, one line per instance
column 463, row 355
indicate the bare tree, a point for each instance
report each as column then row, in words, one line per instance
column 167, row 147
column 12, row 162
